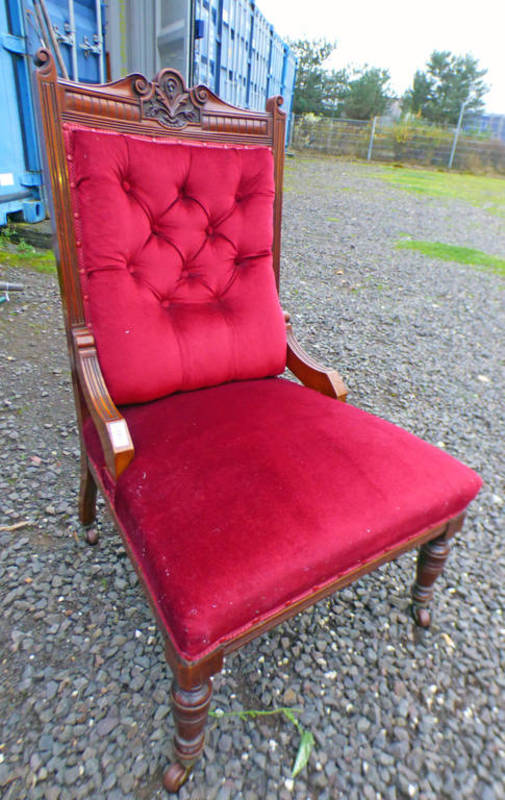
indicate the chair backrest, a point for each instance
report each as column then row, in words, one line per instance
column 167, row 207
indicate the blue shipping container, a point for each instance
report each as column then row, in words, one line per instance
column 239, row 56
column 78, row 28
column 20, row 176
column 226, row 44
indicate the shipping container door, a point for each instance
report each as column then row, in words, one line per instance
column 237, row 16
column 174, row 34
column 260, row 52
column 206, row 48
column 20, row 174
column 78, row 26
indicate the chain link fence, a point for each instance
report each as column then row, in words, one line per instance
column 406, row 141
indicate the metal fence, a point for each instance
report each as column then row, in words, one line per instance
column 384, row 140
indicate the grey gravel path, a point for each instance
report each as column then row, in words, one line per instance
column 395, row 713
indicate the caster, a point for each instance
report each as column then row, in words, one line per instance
column 174, row 777
column 92, row 536
column 420, row 615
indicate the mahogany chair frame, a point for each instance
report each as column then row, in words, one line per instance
column 164, row 107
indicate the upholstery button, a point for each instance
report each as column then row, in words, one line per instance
column 210, row 230
column 165, row 303
column 76, row 215
column 126, row 186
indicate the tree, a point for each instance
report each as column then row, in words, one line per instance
column 448, row 81
column 321, row 92
column 316, row 90
column 367, row 94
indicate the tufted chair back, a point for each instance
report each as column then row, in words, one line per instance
column 174, row 245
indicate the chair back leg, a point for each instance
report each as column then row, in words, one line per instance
column 430, row 564
column 87, row 493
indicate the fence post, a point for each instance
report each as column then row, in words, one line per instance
column 456, row 132
column 372, row 134
column 291, row 129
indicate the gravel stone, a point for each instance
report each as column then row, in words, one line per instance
column 84, row 687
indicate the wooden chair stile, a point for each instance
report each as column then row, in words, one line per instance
column 166, row 206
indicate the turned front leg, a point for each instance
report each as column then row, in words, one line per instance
column 430, row 564
column 190, row 708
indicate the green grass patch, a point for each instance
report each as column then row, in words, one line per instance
column 478, row 190
column 25, row 256
column 449, row 252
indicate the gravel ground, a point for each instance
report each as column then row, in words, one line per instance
column 395, row 712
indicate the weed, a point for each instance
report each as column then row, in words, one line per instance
column 306, row 737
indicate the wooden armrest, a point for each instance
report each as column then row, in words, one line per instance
column 309, row 371
column 110, row 424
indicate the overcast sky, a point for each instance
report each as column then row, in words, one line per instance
column 399, row 35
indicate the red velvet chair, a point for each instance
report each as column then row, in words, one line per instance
column 242, row 497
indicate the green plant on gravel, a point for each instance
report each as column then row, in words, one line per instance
column 306, row 737
column 449, row 252
column 478, row 190
column 16, row 252
column 8, row 233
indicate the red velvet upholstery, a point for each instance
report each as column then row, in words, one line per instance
column 245, row 497
column 175, row 244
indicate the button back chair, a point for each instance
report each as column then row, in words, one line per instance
column 242, row 497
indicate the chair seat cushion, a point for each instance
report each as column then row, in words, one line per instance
column 245, row 497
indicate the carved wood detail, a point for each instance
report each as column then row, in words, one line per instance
column 85, row 103
column 235, row 124
column 167, row 99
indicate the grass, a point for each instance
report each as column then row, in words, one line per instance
column 478, row 190
column 21, row 254
column 449, row 252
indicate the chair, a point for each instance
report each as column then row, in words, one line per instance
column 242, row 497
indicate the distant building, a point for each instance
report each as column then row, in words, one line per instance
column 494, row 124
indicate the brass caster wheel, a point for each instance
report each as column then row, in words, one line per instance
column 174, row 776
column 92, row 536
column 420, row 615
